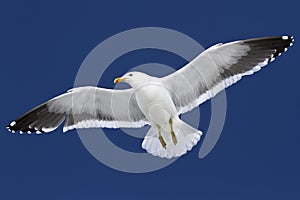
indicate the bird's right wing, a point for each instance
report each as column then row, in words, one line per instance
column 220, row 66
column 83, row 107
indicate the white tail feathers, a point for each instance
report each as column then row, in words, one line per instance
column 187, row 137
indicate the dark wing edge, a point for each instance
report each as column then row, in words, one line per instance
column 38, row 120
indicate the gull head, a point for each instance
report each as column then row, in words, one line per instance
column 134, row 79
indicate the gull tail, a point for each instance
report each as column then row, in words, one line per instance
column 187, row 137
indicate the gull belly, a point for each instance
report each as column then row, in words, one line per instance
column 156, row 103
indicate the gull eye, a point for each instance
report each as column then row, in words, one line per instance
column 130, row 74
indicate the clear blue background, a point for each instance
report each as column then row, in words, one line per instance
column 42, row 46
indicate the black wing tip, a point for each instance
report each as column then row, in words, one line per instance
column 13, row 127
column 38, row 120
column 288, row 42
column 289, row 39
column 279, row 44
column 284, row 38
column 10, row 129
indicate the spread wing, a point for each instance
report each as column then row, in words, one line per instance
column 221, row 66
column 83, row 107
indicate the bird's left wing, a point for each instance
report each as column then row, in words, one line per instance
column 219, row 67
column 83, row 107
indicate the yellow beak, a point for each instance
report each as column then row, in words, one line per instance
column 119, row 80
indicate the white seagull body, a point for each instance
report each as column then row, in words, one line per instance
column 156, row 101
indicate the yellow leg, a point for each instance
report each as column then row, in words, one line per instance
column 161, row 139
column 174, row 139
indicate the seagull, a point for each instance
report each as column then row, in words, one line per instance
column 154, row 101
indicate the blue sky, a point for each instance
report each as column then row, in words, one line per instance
column 43, row 46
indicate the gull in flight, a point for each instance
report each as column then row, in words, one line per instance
column 154, row 101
